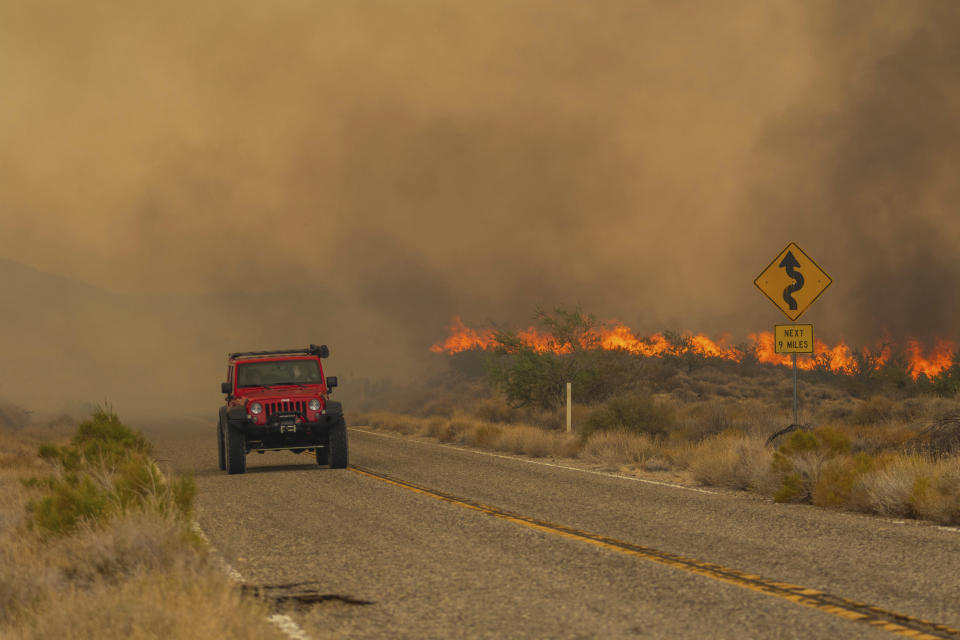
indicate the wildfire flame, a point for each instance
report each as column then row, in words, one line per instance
column 838, row 358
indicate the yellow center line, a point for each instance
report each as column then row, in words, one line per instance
column 847, row 609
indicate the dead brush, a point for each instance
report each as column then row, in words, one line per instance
column 483, row 435
column 535, row 442
column 390, row 421
column 458, row 428
column 190, row 601
column 732, row 460
column 621, row 447
column 911, row 486
column 888, row 490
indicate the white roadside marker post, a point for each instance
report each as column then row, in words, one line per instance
column 569, row 408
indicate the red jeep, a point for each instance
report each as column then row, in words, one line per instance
column 279, row 400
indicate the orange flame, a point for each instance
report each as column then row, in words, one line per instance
column 838, row 358
column 939, row 359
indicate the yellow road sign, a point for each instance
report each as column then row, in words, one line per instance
column 793, row 338
column 792, row 281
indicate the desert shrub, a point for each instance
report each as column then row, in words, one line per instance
column 947, row 384
column 531, row 377
column 731, row 460
column 401, row 423
column 440, row 407
column 837, row 479
column 875, row 410
column 620, row 447
column 483, row 435
column 104, row 436
column 888, row 489
column 132, row 544
column 496, row 410
column 798, row 462
column 104, row 472
column 751, row 417
column 634, row 412
column 70, row 500
column 528, row 440
column 936, row 492
column 911, row 486
column 458, row 427
column 717, row 417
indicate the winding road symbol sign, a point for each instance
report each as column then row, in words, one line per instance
column 793, row 281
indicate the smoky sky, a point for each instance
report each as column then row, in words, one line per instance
column 867, row 169
column 408, row 162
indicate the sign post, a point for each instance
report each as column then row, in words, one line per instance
column 792, row 282
column 793, row 339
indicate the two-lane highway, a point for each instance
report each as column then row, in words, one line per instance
column 424, row 540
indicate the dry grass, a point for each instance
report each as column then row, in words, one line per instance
column 141, row 574
column 182, row 603
column 702, row 419
column 522, row 439
column 623, row 448
column 733, row 461
column 911, row 486
column 863, row 457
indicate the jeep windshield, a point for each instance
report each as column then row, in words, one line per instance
column 278, row 373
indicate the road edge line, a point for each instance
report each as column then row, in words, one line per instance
column 282, row 621
column 605, row 474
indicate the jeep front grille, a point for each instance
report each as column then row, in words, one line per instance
column 295, row 406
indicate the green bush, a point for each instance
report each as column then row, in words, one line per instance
column 104, row 436
column 799, row 463
column 71, row 499
column 838, row 477
column 947, row 384
column 536, row 378
column 636, row 413
column 105, row 470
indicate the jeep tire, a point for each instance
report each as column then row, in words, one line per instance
column 221, row 454
column 235, row 450
column 338, row 445
column 323, row 454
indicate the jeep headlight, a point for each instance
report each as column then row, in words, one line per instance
column 314, row 405
column 255, row 408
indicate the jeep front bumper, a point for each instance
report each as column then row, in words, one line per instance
column 281, row 432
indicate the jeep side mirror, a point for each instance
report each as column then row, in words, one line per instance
column 226, row 387
column 331, row 382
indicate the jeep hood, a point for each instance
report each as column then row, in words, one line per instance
column 311, row 391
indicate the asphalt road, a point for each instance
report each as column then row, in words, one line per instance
column 395, row 561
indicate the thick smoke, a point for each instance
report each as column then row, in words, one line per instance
column 866, row 168
column 260, row 176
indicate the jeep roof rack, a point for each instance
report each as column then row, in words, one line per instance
column 313, row 350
